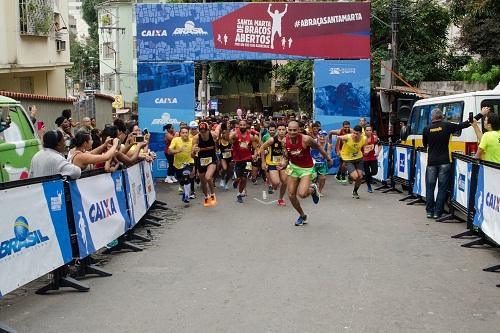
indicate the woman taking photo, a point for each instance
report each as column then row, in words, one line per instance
column 84, row 157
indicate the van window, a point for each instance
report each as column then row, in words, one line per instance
column 420, row 118
column 453, row 112
column 494, row 105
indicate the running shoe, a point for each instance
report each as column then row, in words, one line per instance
column 254, row 181
column 239, row 198
column 206, row 202
column 192, row 196
column 355, row 194
column 338, row 180
column 180, row 190
column 222, row 183
column 235, row 183
column 344, row 181
column 213, row 200
column 270, row 190
column 320, row 194
column 169, row 180
column 299, row 221
column 185, row 198
column 369, row 190
column 226, row 187
column 314, row 194
column 281, row 202
column 304, row 219
column 174, row 179
column 429, row 215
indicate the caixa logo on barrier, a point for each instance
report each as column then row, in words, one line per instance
column 23, row 238
column 402, row 158
column 154, row 33
column 102, row 209
column 189, row 29
column 493, row 202
column 461, row 182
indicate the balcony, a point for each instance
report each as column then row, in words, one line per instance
column 36, row 17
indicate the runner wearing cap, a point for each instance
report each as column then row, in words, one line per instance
column 243, row 142
column 320, row 162
column 300, row 169
column 271, row 154
column 204, row 148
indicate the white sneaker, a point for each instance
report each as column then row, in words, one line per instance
column 168, row 180
column 222, row 183
column 174, row 180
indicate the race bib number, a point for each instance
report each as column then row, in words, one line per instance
column 226, row 154
column 276, row 159
column 368, row 148
column 205, row 161
column 354, row 155
column 249, row 166
column 244, row 145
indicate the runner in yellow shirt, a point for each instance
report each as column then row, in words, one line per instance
column 181, row 148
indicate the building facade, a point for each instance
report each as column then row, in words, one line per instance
column 81, row 28
column 35, row 46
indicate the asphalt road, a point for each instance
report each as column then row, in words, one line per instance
column 368, row 265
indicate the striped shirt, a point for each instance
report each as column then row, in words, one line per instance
column 49, row 162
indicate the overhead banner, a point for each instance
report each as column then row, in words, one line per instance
column 383, row 164
column 99, row 210
column 402, row 162
column 136, row 197
column 341, row 92
column 34, row 237
column 252, row 31
column 461, row 182
column 487, row 206
column 166, row 94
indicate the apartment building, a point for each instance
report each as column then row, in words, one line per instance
column 35, row 46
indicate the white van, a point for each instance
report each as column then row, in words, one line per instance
column 456, row 109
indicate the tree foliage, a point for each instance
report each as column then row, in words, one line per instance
column 422, row 40
column 85, row 58
column 297, row 73
column 251, row 72
column 89, row 14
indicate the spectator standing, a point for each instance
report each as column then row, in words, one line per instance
column 33, row 113
column 50, row 160
column 63, row 126
column 86, row 124
column 169, row 136
column 93, row 123
column 436, row 139
column 85, row 157
column 489, row 148
column 403, row 131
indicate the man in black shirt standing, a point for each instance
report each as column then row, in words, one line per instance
column 436, row 139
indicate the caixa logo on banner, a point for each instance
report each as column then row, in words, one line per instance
column 102, row 209
column 461, row 182
column 189, row 29
column 493, row 202
column 166, row 100
column 402, row 164
column 154, row 33
column 23, row 238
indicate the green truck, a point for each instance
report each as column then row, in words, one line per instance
column 18, row 141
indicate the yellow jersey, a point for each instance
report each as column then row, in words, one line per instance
column 184, row 157
column 351, row 150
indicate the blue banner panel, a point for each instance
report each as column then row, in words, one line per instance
column 34, row 237
column 341, row 92
column 99, row 210
column 461, row 182
column 383, row 164
column 402, row 162
column 134, row 189
column 166, row 94
column 252, row 31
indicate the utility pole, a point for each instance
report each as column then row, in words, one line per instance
column 394, row 40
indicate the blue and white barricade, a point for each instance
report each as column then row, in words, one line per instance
column 383, row 164
column 149, row 186
column 402, row 162
column 487, row 201
column 462, row 171
column 99, row 210
column 136, row 195
column 34, row 234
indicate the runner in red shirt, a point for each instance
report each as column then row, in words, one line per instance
column 300, row 170
column 243, row 142
column 370, row 154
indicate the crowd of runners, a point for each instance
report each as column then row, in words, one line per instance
column 288, row 154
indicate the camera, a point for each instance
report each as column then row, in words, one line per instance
column 139, row 139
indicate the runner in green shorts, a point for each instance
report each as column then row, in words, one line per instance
column 320, row 163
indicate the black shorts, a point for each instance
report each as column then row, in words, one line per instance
column 240, row 168
column 186, row 171
column 354, row 165
column 203, row 169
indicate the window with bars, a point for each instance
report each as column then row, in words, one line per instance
column 36, row 17
column 107, row 50
column 108, row 82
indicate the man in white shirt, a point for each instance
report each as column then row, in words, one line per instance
column 50, row 160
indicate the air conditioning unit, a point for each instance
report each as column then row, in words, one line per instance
column 60, row 45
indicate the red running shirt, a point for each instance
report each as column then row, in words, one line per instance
column 242, row 147
column 297, row 154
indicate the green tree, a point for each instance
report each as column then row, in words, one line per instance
column 480, row 36
column 422, row 39
column 85, row 58
column 297, row 73
column 89, row 14
column 251, row 72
